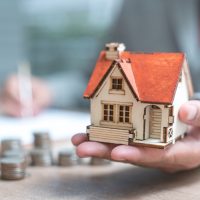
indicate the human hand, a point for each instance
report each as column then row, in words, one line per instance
column 184, row 155
column 10, row 97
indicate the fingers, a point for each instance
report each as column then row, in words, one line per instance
column 10, row 98
column 189, row 113
column 183, row 155
column 94, row 149
column 147, row 157
column 11, row 108
column 143, row 156
column 42, row 95
column 79, row 138
column 10, row 89
column 122, row 153
column 88, row 149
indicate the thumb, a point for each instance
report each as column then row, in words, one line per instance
column 189, row 113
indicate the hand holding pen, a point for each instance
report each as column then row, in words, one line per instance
column 23, row 95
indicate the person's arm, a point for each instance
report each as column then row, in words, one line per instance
column 10, row 97
column 183, row 155
column 62, row 90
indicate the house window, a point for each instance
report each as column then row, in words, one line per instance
column 108, row 112
column 117, row 83
column 124, row 114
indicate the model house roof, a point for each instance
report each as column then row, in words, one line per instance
column 152, row 77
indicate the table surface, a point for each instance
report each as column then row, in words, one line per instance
column 115, row 181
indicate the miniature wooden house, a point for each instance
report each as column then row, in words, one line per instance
column 135, row 97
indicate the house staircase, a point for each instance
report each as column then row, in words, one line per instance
column 109, row 135
column 155, row 122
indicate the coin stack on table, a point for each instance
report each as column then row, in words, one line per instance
column 12, row 148
column 66, row 158
column 42, row 140
column 11, row 144
column 13, row 168
column 41, row 157
column 14, row 154
column 14, row 159
column 41, row 154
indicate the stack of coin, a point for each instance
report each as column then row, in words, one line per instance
column 41, row 157
column 42, row 140
column 17, row 154
column 66, row 158
column 14, row 154
column 99, row 161
column 10, row 144
column 13, row 168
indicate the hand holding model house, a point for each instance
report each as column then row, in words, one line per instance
column 184, row 155
column 139, row 101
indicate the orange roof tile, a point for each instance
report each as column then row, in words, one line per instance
column 153, row 77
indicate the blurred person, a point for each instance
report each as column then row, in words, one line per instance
column 10, row 96
column 62, row 89
column 12, row 51
column 152, row 26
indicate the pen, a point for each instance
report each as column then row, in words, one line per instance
column 25, row 89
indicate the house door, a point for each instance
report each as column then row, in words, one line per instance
column 155, row 122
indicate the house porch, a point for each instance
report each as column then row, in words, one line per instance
column 109, row 135
column 122, row 136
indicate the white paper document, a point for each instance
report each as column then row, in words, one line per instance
column 60, row 124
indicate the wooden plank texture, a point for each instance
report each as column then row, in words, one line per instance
column 110, row 135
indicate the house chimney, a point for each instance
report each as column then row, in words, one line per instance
column 113, row 50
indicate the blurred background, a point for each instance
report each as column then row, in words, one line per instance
column 62, row 39
column 56, row 37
